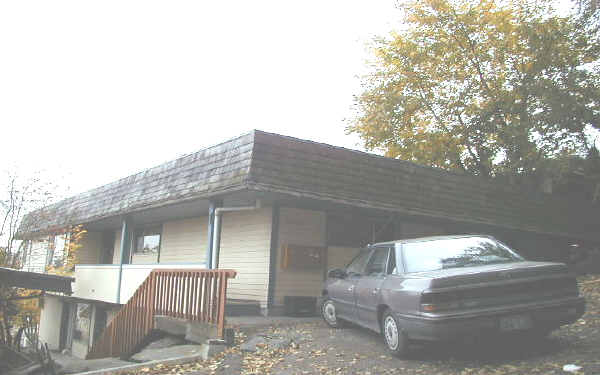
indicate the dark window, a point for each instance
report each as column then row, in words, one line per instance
column 378, row 263
column 455, row 252
column 146, row 247
column 357, row 266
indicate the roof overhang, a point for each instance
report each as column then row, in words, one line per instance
column 96, row 302
column 35, row 281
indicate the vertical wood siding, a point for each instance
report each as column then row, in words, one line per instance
column 299, row 227
column 245, row 248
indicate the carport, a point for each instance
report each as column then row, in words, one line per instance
column 35, row 281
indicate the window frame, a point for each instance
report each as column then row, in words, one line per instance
column 144, row 231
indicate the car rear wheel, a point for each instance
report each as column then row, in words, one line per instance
column 394, row 338
column 329, row 314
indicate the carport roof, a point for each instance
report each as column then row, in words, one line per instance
column 266, row 162
column 35, row 281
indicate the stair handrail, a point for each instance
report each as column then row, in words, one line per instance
column 191, row 294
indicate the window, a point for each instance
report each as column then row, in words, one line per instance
column 455, row 252
column 378, row 263
column 51, row 247
column 357, row 266
column 146, row 246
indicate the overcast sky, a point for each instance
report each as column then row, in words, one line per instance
column 92, row 91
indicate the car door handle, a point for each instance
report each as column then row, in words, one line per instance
column 375, row 291
column 351, row 288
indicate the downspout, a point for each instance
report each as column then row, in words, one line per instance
column 216, row 246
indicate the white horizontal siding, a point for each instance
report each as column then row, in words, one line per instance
column 37, row 256
column 184, row 241
column 245, row 248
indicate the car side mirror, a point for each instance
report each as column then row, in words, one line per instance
column 337, row 273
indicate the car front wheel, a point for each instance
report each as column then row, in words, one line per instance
column 394, row 338
column 329, row 314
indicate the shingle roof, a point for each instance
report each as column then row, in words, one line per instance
column 205, row 173
column 274, row 163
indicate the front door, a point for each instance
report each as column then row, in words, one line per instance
column 342, row 291
column 368, row 288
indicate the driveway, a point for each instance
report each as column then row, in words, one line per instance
column 317, row 349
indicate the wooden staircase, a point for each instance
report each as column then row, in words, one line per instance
column 197, row 295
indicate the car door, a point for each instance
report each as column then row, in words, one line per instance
column 341, row 291
column 368, row 287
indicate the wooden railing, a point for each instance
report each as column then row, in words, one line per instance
column 197, row 295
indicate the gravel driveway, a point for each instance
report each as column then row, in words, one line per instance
column 317, row 349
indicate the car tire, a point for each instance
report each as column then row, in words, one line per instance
column 395, row 339
column 329, row 314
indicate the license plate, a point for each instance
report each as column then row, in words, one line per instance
column 515, row 323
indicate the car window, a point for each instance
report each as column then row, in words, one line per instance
column 378, row 262
column 357, row 266
column 455, row 252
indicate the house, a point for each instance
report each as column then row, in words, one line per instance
column 280, row 211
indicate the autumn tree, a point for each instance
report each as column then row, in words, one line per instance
column 19, row 195
column 489, row 87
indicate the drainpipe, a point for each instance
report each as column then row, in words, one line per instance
column 211, row 230
column 216, row 245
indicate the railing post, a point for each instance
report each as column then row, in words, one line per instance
column 152, row 307
column 222, row 294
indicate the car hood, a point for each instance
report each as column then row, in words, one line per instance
column 492, row 273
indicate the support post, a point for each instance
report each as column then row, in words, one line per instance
column 216, row 249
column 274, row 249
column 213, row 205
column 125, row 251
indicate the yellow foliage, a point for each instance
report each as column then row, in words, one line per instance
column 487, row 86
column 76, row 235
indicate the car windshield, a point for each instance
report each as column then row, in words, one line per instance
column 455, row 252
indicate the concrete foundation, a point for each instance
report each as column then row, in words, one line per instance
column 195, row 332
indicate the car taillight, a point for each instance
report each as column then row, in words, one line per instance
column 434, row 302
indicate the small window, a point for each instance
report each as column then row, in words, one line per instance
column 378, row 263
column 146, row 247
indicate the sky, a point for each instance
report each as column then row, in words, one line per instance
column 92, row 91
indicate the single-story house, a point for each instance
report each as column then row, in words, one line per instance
column 280, row 211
